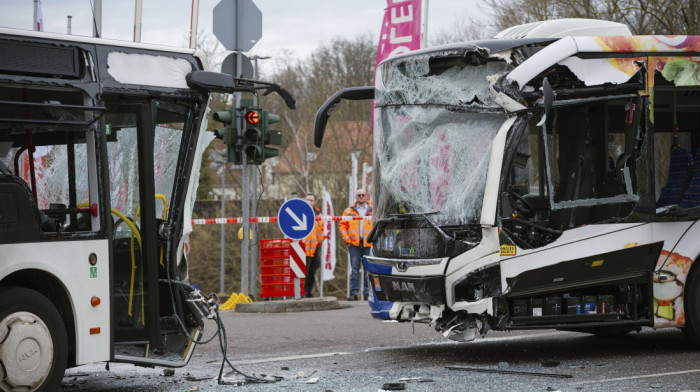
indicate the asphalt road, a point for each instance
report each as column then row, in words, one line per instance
column 347, row 350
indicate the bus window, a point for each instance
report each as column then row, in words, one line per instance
column 170, row 122
column 47, row 150
column 591, row 164
column 676, row 135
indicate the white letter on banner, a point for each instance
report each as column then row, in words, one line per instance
column 393, row 39
column 406, row 14
column 399, row 50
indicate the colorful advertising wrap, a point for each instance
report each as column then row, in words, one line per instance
column 328, row 247
column 400, row 28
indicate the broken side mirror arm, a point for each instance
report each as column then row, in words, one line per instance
column 324, row 112
column 215, row 82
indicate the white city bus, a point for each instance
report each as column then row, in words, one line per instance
column 547, row 178
column 100, row 146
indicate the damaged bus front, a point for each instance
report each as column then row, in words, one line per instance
column 532, row 181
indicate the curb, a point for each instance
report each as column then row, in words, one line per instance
column 290, row 305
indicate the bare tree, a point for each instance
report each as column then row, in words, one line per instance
column 342, row 63
column 642, row 16
column 466, row 27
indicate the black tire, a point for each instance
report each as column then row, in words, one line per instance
column 19, row 299
column 691, row 305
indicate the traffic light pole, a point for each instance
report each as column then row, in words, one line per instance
column 254, row 212
column 245, row 190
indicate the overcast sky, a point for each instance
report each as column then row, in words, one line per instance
column 296, row 25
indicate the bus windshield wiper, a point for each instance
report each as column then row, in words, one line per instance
column 407, row 216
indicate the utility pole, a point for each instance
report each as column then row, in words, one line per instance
column 254, row 209
column 97, row 18
column 138, row 16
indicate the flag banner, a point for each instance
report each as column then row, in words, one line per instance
column 39, row 17
column 328, row 247
column 400, row 31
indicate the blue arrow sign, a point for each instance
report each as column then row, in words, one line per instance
column 296, row 219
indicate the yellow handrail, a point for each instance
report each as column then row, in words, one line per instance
column 135, row 234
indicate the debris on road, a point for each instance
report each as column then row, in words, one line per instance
column 486, row 370
column 550, row 363
column 168, row 372
column 394, row 386
column 312, row 380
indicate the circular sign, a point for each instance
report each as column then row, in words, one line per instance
column 296, row 219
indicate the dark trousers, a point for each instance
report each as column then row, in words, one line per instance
column 312, row 265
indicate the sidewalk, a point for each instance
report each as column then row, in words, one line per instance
column 290, row 305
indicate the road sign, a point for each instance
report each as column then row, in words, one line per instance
column 229, row 66
column 296, row 219
column 297, row 259
column 237, row 24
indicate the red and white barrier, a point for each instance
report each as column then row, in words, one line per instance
column 271, row 219
column 297, row 259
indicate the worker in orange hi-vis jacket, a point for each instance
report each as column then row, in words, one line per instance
column 312, row 243
column 355, row 234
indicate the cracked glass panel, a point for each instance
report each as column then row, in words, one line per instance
column 52, row 177
column 435, row 121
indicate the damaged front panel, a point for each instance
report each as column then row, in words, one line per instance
column 425, row 107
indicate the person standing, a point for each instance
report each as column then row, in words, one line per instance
column 312, row 242
column 355, row 234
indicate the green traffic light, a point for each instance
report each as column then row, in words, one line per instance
column 223, row 117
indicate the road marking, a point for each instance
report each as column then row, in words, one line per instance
column 640, row 377
column 292, row 358
column 476, row 341
column 387, row 348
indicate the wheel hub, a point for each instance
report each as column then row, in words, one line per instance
column 26, row 351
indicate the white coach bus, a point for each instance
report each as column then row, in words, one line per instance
column 547, row 178
column 100, row 146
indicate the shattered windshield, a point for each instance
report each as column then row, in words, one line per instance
column 435, row 121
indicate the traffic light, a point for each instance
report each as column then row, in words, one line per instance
column 271, row 137
column 253, row 136
column 229, row 135
column 258, row 135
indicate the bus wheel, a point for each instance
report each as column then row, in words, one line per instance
column 691, row 302
column 33, row 342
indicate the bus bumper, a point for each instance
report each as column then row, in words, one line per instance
column 387, row 289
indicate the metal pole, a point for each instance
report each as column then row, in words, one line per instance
column 137, row 20
column 424, row 25
column 245, row 186
column 254, row 211
column 223, row 225
column 325, row 241
column 36, row 15
column 70, row 18
column 194, row 20
column 347, row 290
column 97, row 19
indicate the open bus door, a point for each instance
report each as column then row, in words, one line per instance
column 145, row 147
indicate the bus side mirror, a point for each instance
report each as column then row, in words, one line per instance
column 331, row 105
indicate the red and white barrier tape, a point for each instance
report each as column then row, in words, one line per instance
column 271, row 219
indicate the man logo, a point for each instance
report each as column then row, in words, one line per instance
column 403, row 286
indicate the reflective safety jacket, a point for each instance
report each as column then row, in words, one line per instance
column 314, row 240
column 351, row 228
